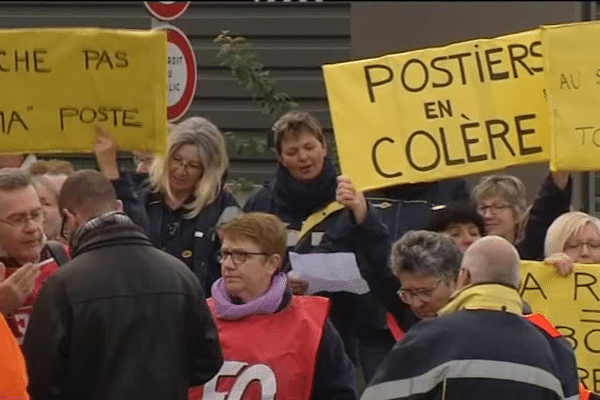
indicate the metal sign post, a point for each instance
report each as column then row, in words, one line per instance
column 181, row 60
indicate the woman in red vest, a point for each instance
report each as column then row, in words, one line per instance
column 275, row 344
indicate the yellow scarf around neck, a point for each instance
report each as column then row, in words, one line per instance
column 486, row 296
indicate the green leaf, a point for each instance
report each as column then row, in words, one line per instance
column 236, row 53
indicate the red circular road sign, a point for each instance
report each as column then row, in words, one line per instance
column 166, row 10
column 181, row 65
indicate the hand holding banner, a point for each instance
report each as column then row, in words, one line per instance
column 442, row 112
column 572, row 303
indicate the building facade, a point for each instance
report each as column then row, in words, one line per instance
column 293, row 39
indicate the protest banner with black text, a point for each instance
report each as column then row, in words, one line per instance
column 572, row 81
column 57, row 83
column 441, row 112
column 572, row 303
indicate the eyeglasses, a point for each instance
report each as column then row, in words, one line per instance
column 595, row 245
column 495, row 209
column 178, row 162
column 238, row 256
column 20, row 221
column 424, row 295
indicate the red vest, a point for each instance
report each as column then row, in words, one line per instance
column 19, row 320
column 584, row 393
column 544, row 323
column 396, row 331
column 268, row 356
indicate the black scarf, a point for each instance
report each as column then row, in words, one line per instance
column 306, row 198
column 110, row 219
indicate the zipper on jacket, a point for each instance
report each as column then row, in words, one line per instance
column 444, row 389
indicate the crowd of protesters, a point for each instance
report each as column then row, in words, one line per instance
column 156, row 284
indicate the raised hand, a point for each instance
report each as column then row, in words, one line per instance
column 299, row 286
column 562, row 262
column 347, row 195
column 561, row 179
column 15, row 289
column 106, row 152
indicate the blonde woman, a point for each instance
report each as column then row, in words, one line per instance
column 573, row 237
column 501, row 202
column 184, row 199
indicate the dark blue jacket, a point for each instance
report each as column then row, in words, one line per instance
column 550, row 203
column 477, row 354
column 194, row 241
column 406, row 207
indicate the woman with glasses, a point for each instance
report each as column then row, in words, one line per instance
column 426, row 264
column 501, row 202
column 274, row 343
column 574, row 237
column 184, row 199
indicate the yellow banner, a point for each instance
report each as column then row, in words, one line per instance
column 58, row 83
column 572, row 79
column 441, row 112
column 572, row 304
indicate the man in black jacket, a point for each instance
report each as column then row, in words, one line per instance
column 481, row 346
column 122, row 320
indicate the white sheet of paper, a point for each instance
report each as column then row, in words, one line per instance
column 329, row 272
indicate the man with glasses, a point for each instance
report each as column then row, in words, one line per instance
column 480, row 345
column 25, row 260
column 426, row 264
column 122, row 319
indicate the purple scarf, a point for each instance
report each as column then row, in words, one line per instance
column 265, row 304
